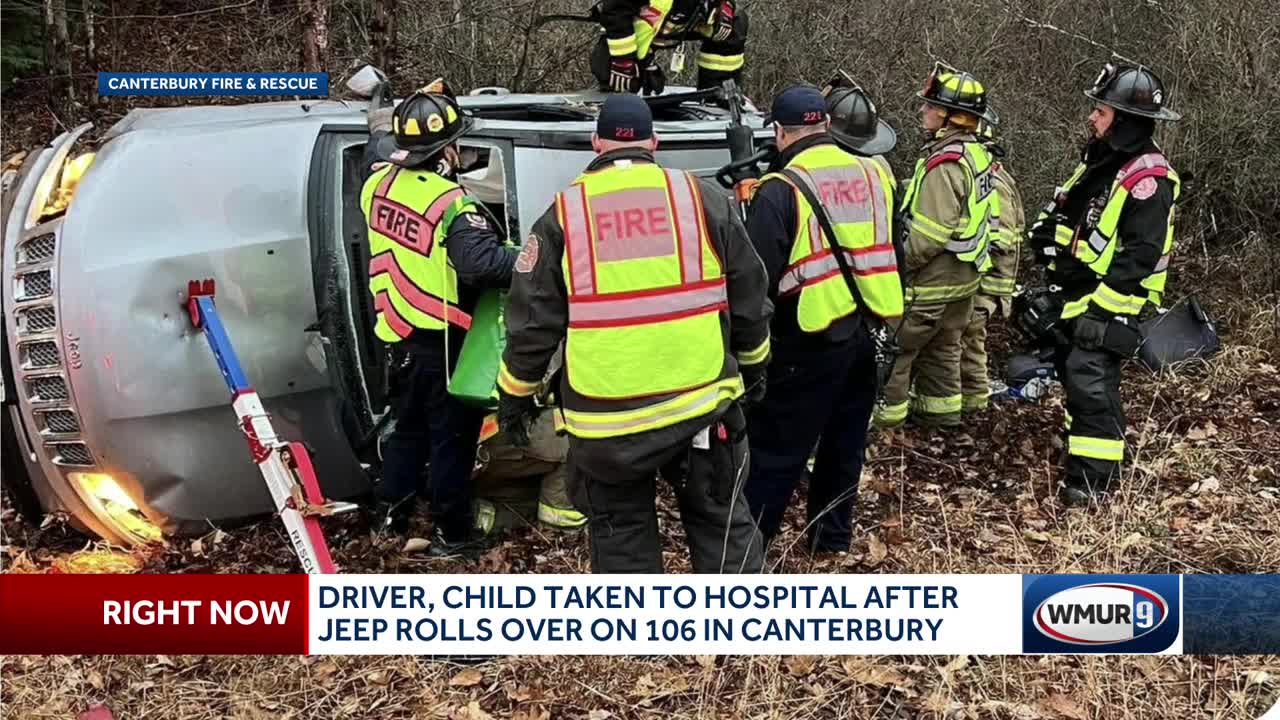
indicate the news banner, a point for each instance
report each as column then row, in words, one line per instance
column 639, row 614
column 455, row 615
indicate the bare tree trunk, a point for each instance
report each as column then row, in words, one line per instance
column 315, row 35
column 57, row 55
column 91, row 46
column 471, row 66
column 383, row 32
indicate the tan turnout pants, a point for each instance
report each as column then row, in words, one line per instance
column 930, row 339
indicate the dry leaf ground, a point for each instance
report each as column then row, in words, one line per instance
column 1022, row 688
column 973, row 502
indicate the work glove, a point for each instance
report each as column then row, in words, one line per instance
column 624, row 75
column 724, row 22
column 1090, row 330
column 754, row 378
column 1041, row 237
column 652, row 78
column 515, row 415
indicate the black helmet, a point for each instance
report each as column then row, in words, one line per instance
column 855, row 124
column 987, row 136
column 1131, row 89
column 423, row 124
column 957, row 90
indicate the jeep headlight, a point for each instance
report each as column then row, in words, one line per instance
column 112, row 505
column 72, row 171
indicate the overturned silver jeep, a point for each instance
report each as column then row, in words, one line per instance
column 114, row 410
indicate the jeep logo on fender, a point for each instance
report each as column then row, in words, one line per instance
column 1101, row 613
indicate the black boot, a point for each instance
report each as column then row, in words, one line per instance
column 1080, row 492
column 385, row 517
column 469, row 546
column 1075, row 493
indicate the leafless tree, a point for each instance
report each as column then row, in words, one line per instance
column 382, row 33
column 57, row 58
column 315, row 35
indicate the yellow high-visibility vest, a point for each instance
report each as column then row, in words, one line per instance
column 969, row 243
column 645, row 292
column 654, row 27
column 1098, row 248
column 414, row 286
column 857, row 195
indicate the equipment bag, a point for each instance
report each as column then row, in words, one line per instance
column 886, row 344
column 475, row 380
column 1182, row 333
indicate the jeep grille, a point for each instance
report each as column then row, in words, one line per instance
column 47, row 389
column 72, row 453
column 62, row 422
column 40, row 354
column 36, row 320
column 37, row 249
column 34, row 285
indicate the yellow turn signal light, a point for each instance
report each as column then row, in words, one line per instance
column 112, row 505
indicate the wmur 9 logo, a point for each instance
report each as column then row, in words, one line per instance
column 1100, row 613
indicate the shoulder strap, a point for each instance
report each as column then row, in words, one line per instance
column 1152, row 164
column 948, row 153
column 825, row 223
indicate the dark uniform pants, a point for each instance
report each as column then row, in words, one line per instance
column 613, row 482
column 828, row 394
column 1095, row 414
column 431, row 425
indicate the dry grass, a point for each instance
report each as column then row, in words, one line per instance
column 964, row 687
column 1201, row 495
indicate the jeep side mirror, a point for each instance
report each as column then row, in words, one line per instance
column 365, row 81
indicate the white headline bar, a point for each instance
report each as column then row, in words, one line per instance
column 665, row 615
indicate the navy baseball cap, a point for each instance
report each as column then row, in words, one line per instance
column 798, row 105
column 625, row 118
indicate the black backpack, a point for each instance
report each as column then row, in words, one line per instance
column 1182, row 333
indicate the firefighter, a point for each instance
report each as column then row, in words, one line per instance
column 432, row 249
column 822, row 378
column 516, row 484
column 504, row 471
column 649, row 278
column 856, row 125
column 995, row 290
column 946, row 212
column 625, row 60
column 1106, row 238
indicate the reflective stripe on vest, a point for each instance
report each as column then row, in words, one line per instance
column 645, row 286
column 384, row 263
column 408, row 213
column 665, row 413
column 648, row 306
column 816, row 268
column 857, row 198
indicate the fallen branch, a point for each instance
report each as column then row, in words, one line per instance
column 1073, row 35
